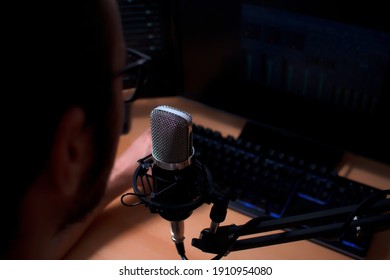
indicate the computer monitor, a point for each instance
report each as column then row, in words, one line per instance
column 313, row 70
column 299, row 69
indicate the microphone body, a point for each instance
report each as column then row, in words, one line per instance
column 179, row 181
column 173, row 181
column 173, row 173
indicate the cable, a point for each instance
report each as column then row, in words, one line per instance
column 132, row 204
column 180, row 250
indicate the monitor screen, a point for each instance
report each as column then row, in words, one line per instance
column 316, row 69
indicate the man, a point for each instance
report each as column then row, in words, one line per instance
column 64, row 63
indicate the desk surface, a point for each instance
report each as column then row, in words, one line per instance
column 134, row 233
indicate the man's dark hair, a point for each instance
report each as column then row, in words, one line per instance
column 56, row 56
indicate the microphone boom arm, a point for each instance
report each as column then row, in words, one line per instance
column 372, row 215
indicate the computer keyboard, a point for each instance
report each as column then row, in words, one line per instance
column 264, row 180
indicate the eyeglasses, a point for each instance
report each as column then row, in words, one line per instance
column 134, row 77
column 134, row 74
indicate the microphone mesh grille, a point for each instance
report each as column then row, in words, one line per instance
column 171, row 134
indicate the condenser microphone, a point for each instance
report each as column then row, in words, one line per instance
column 179, row 181
column 171, row 181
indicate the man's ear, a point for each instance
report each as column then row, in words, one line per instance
column 71, row 152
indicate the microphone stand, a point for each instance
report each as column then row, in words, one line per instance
column 371, row 215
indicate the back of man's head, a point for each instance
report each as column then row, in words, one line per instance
column 55, row 55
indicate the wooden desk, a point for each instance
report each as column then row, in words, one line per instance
column 134, row 233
